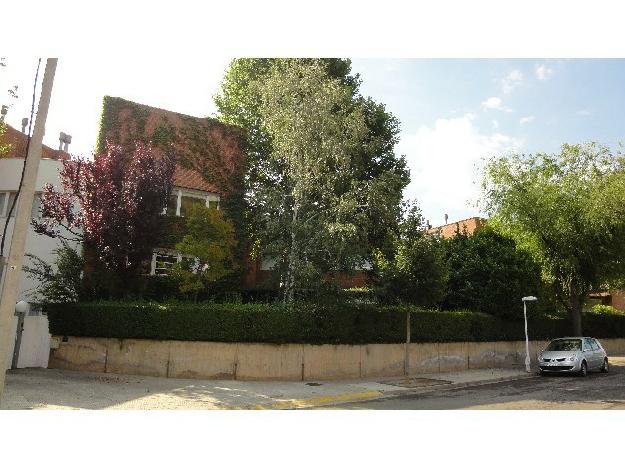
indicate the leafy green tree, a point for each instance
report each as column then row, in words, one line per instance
column 487, row 273
column 314, row 129
column 368, row 191
column 207, row 249
column 567, row 210
column 61, row 282
column 415, row 272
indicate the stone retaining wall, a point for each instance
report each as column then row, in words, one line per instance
column 257, row 361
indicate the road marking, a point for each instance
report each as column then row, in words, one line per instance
column 318, row 401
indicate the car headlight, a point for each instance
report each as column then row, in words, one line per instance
column 572, row 358
column 540, row 357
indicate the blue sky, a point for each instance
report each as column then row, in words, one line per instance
column 453, row 112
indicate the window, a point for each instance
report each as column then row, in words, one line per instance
column 36, row 210
column 564, row 345
column 187, row 202
column 6, row 200
column 181, row 201
column 162, row 262
column 172, row 204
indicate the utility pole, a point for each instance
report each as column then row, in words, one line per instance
column 527, row 340
column 22, row 218
column 407, row 346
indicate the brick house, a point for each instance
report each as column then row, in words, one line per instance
column 211, row 157
column 469, row 225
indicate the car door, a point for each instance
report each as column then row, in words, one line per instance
column 600, row 353
column 589, row 353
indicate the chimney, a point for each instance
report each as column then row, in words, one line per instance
column 24, row 124
column 64, row 141
column 68, row 140
column 446, row 218
column 3, row 113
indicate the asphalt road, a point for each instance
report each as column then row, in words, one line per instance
column 596, row 391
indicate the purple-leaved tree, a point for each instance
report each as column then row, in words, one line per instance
column 113, row 204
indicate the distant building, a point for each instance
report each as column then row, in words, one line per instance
column 469, row 225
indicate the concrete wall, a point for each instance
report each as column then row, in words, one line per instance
column 256, row 361
column 35, row 345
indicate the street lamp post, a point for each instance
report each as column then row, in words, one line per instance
column 525, row 300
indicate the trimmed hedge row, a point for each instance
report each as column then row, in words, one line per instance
column 304, row 323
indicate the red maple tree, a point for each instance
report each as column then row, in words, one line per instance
column 113, row 204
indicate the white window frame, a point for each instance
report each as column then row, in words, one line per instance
column 173, row 253
column 158, row 252
column 207, row 196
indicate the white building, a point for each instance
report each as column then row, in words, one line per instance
column 10, row 173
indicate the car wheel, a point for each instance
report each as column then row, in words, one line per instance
column 583, row 370
column 606, row 367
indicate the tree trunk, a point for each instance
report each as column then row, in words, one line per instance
column 289, row 285
column 575, row 314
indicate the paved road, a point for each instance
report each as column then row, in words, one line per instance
column 597, row 391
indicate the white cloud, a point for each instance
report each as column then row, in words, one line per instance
column 583, row 112
column 511, row 81
column 543, row 72
column 527, row 119
column 444, row 163
column 495, row 124
column 495, row 103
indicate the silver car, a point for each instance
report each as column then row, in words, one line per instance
column 578, row 355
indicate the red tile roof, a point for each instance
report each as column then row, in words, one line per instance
column 18, row 142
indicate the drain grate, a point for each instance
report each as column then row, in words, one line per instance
column 416, row 382
column 313, row 384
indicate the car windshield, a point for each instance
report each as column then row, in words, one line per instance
column 565, row 345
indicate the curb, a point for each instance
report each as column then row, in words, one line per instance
column 375, row 395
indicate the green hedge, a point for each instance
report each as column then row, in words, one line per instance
column 304, row 323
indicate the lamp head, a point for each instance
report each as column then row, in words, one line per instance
column 529, row 298
column 22, row 307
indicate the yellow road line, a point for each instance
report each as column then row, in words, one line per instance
column 317, row 401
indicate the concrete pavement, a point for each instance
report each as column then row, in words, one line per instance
column 61, row 389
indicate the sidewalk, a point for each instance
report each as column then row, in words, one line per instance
column 56, row 389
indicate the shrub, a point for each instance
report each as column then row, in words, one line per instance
column 488, row 273
column 606, row 309
column 303, row 323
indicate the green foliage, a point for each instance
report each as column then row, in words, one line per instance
column 605, row 310
column 414, row 271
column 208, row 249
column 487, row 273
column 61, row 282
column 567, row 210
column 311, row 134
